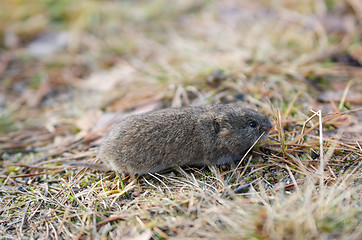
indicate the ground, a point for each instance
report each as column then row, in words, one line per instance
column 68, row 69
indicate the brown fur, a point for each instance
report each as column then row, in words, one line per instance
column 157, row 140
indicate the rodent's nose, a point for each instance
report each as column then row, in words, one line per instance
column 268, row 126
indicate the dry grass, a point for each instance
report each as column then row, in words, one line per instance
column 284, row 58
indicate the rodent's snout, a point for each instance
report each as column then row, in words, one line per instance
column 268, row 126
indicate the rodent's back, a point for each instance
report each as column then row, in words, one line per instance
column 154, row 141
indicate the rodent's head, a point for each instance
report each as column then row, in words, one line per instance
column 239, row 129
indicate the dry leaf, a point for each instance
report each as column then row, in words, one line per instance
column 119, row 75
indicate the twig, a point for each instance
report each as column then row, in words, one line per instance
column 34, row 174
column 73, row 144
column 293, row 180
column 247, row 152
column 322, row 163
column 341, row 103
column 296, row 139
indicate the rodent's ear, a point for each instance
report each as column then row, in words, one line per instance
column 221, row 127
column 216, row 125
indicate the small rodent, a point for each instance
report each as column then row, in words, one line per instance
column 161, row 139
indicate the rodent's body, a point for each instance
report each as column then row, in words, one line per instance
column 162, row 139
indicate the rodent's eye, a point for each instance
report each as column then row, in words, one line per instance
column 252, row 124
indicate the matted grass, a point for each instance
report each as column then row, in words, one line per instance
column 288, row 59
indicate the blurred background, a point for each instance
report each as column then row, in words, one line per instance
column 70, row 63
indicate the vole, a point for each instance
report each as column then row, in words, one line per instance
column 162, row 139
